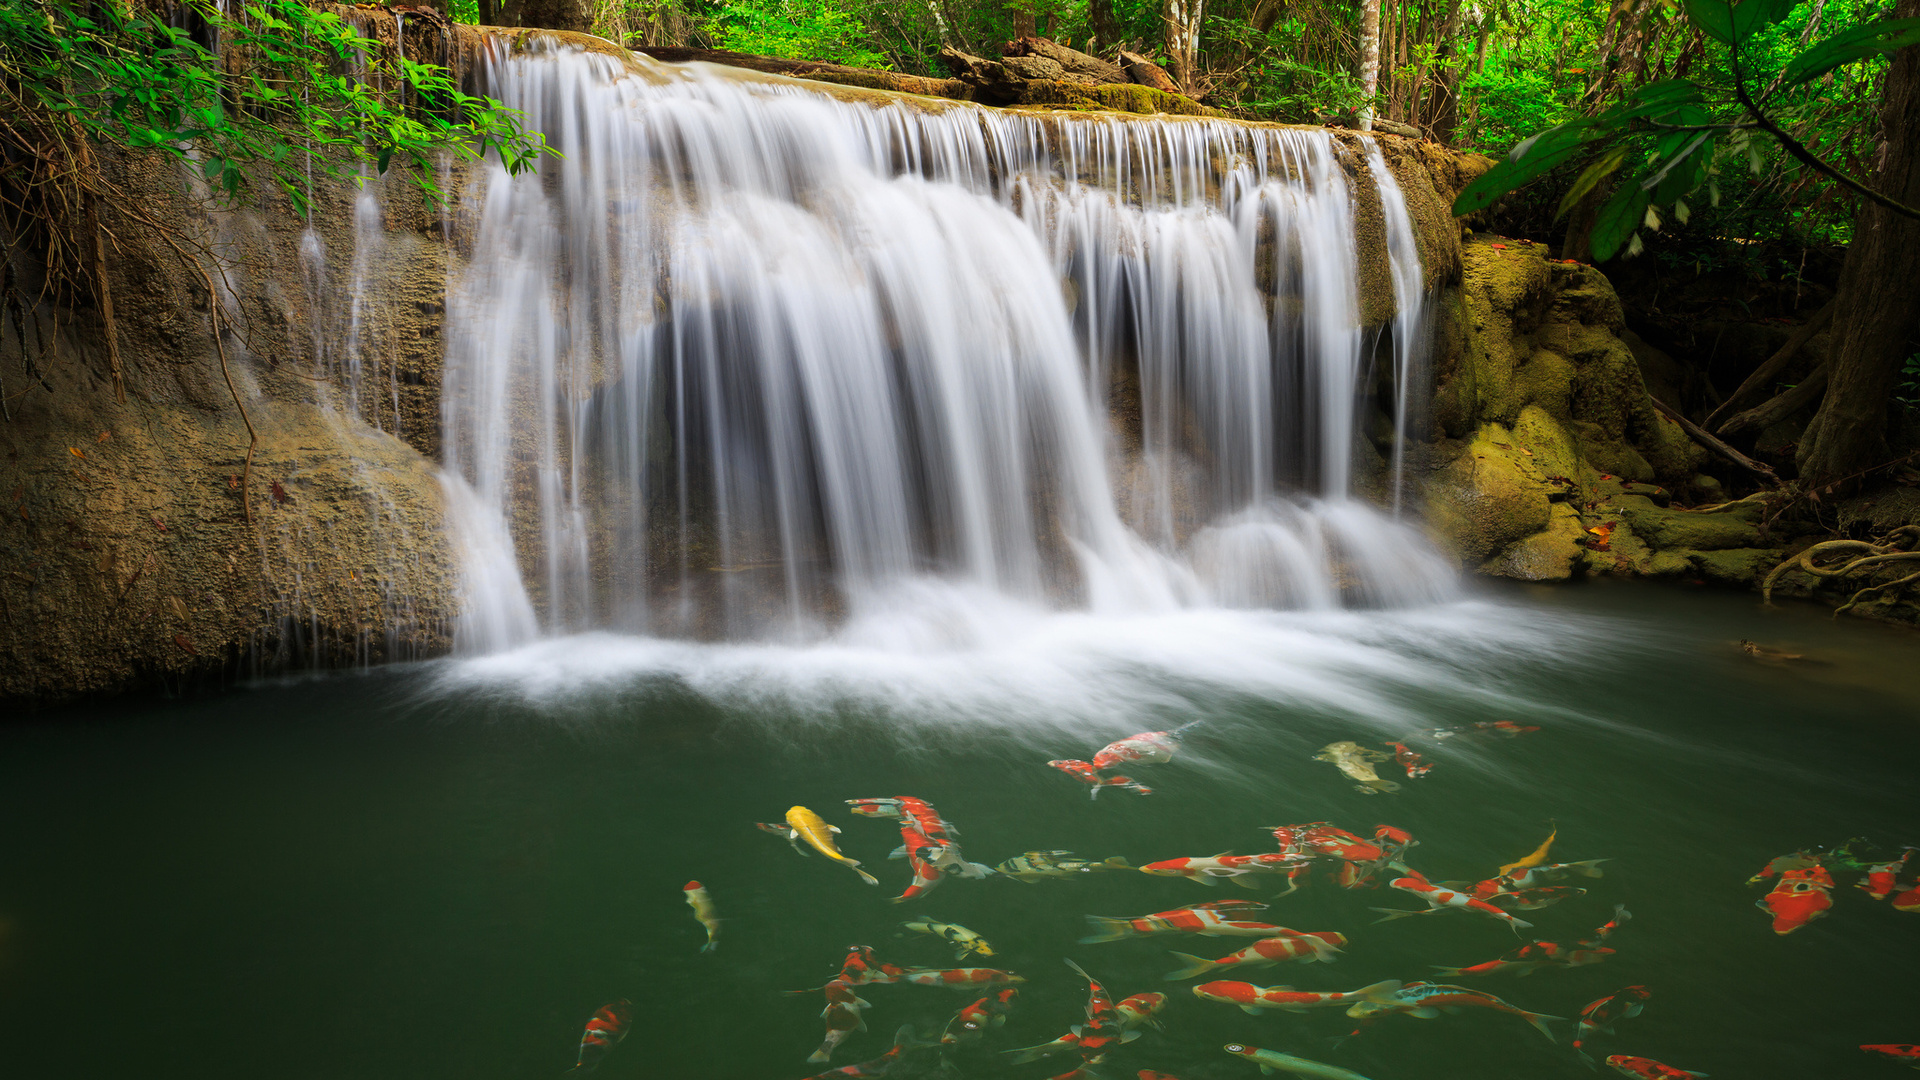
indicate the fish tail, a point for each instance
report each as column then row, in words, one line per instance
column 1117, row 862
column 1449, row 972
column 864, row 876
column 1539, row 1021
column 1393, row 913
column 709, row 946
column 1197, row 965
column 1584, row 1056
column 1588, row 868
column 820, row 1056
column 1106, row 929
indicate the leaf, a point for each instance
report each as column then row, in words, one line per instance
column 1529, row 161
column 1618, row 220
column 1848, row 46
column 1602, row 167
column 1682, row 171
column 1732, row 23
column 75, row 451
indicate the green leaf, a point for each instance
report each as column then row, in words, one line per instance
column 1618, row 220
column 1528, row 161
column 1732, row 23
column 1849, row 46
column 1682, row 171
column 1602, row 167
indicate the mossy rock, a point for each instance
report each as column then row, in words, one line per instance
column 1735, row 566
column 1552, row 554
column 1488, row 497
column 1115, row 97
column 1692, row 531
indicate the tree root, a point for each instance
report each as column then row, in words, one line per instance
column 1898, row 546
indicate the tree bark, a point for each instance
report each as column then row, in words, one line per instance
column 1369, row 58
column 1022, row 21
column 1106, row 27
column 1780, row 406
column 1770, row 370
column 1877, row 308
column 1180, row 19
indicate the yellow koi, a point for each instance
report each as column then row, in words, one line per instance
column 703, row 910
column 1539, row 854
column 804, row 824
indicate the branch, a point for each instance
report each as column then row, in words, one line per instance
column 1701, row 436
column 1806, row 156
column 1773, row 366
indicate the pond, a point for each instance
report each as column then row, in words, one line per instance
column 445, row 869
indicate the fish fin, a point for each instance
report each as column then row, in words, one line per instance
column 1588, row 1058
column 1196, row 966
column 777, row 828
column 1393, row 913
column 1118, row 862
column 1107, row 929
column 833, row 828
column 898, row 853
column 1026, row 1054
column 1381, row 990
column 1220, row 854
column 820, row 1056
column 709, row 946
column 1080, row 971
column 864, row 876
column 1449, row 972
column 1245, row 881
column 977, row 871
column 1130, row 1036
column 1425, row 1013
column 1250, row 1010
column 1588, row 868
column 1539, row 1021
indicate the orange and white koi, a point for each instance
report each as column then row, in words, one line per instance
column 975, row 1020
column 1322, row 946
column 1086, row 773
column 1207, row 920
column 957, row 977
column 1534, row 876
column 604, row 1032
column 903, row 1042
column 1800, row 897
column 703, row 910
column 804, row 824
column 1532, row 899
column 861, row 967
column 842, row 1015
column 1443, row 899
column 1529, row 958
column 1487, row 727
column 1780, row 864
column 926, row 842
column 1909, row 900
column 1320, row 838
column 1426, row 1001
column 1603, row 1013
column 1102, row 1031
column 1647, row 1068
column 1137, row 1009
column 1147, row 747
column 1211, row 870
column 1404, row 757
column 1257, row 999
column 1882, row 878
column 1904, row 1053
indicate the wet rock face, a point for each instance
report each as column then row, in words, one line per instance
column 1550, row 459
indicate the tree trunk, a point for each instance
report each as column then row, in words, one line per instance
column 1022, row 21
column 1106, row 27
column 1181, row 21
column 1877, row 309
column 1369, row 59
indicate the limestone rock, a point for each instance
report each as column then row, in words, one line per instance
column 1735, row 566
column 1681, row 529
column 1552, row 554
column 1486, row 498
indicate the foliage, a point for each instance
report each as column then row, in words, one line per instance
column 303, row 95
column 797, row 29
column 1668, row 131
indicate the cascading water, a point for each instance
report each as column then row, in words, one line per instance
column 754, row 360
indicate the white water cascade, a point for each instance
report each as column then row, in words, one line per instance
column 755, row 361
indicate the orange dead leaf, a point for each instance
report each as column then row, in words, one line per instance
column 1600, row 536
column 280, row 496
column 104, row 436
column 158, row 524
column 185, row 645
column 233, row 482
column 75, row 451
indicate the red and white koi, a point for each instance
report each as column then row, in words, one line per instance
column 1084, row 772
column 975, row 1020
column 1800, row 897
column 1145, row 748
column 1102, row 1031
column 1909, row 900
column 861, row 968
column 1529, row 958
column 1904, row 1053
column 1322, row 946
column 1135, row 1010
column 903, row 1041
column 1882, row 879
column 604, row 1032
column 1211, row 870
column 1600, row 1015
column 1207, row 920
column 1532, row 899
column 1443, row 899
column 843, row 1018
column 1258, row 999
column 1404, row 757
column 1647, row 1068
column 926, row 842
column 1426, row 1001
column 957, row 977
column 1488, row 727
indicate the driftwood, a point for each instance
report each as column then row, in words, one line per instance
column 1072, row 61
column 1147, row 73
column 1780, row 406
column 1701, row 436
column 1766, row 373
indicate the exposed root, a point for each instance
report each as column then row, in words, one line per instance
column 1839, row 558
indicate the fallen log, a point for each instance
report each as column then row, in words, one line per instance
column 1780, row 406
column 1072, row 61
column 1147, row 73
column 1701, row 436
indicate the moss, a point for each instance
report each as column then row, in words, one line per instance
column 1552, row 554
column 1682, row 529
column 1488, row 497
column 1735, row 566
column 1115, row 97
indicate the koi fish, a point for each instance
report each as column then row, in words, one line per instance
column 903, row 1042
column 1146, row 747
column 1647, row 1068
column 1356, row 762
column 963, row 940
column 1255, row 999
column 957, row 977
column 1207, row 920
column 1041, row 865
column 974, row 1021
column 843, row 1018
column 1320, row 838
column 1780, row 864
column 804, row 824
column 1908, row 900
column 1085, row 772
column 861, row 967
column 1535, row 858
column 1307, row 948
column 1904, row 1053
column 1534, row 876
column 604, row 1032
column 1425, row 1001
column 703, row 910
column 1135, row 1010
column 1532, row 899
column 1602, row 1014
column 1529, row 958
column 925, row 842
column 1093, row 1039
column 1273, row 1061
column 1226, row 865
column 1488, row 727
column 1149, row 1074
column 1800, row 897
column 1881, row 877
column 1404, row 757
column 1440, row 899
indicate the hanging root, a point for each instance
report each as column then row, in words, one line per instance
column 1840, row 558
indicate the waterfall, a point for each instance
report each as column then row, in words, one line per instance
column 753, row 360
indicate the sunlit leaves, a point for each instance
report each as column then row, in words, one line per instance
column 1528, row 161
column 1732, row 22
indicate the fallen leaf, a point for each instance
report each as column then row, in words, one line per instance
column 1599, row 537
column 280, row 496
column 233, row 482
column 104, row 436
column 179, row 608
column 1500, row 247
column 185, row 645
column 75, row 451
column 158, row 524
